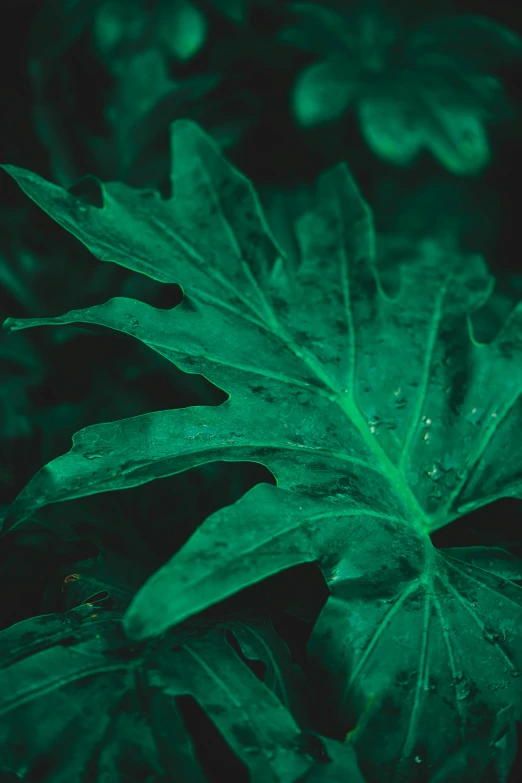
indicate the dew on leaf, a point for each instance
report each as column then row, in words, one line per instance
column 466, row 688
column 492, row 636
column 473, row 416
column 435, row 472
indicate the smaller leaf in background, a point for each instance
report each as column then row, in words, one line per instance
column 122, row 28
column 144, row 101
column 93, row 582
column 259, row 642
column 235, row 10
column 410, row 89
column 182, row 29
column 322, row 94
column 28, row 564
column 77, row 701
column 131, row 50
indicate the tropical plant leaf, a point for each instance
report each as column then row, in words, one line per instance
column 77, row 701
column 472, row 39
column 258, row 642
column 322, row 93
column 319, row 29
column 430, row 432
column 418, row 649
column 427, row 87
column 94, row 581
column 381, row 417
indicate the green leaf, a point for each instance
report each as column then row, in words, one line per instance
column 442, row 654
column 381, row 418
column 182, row 29
column 94, row 582
column 475, row 40
column 236, row 10
column 322, row 93
column 320, row 392
column 427, row 87
column 457, row 137
column 319, row 29
column 258, row 642
column 389, row 129
column 396, row 130
column 76, row 700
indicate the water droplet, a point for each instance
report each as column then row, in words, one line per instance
column 514, row 673
column 427, row 437
column 397, row 391
column 374, row 424
column 418, row 759
column 494, row 415
column 93, row 455
column 133, row 321
column 435, row 472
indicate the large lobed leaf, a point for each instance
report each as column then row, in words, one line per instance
column 380, row 416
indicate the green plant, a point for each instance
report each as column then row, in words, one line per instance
column 429, row 87
column 382, row 420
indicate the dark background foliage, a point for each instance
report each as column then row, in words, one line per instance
column 54, row 382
